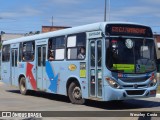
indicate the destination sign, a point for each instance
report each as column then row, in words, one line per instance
column 94, row 34
column 128, row 30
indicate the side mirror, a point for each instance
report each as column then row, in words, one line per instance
column 158, row 65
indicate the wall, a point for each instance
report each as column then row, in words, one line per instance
column 52, row 28
column 8, row 36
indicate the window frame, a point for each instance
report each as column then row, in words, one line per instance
column 8, row 53
column 77, row 45
column 33, row 45
column 54, row 47
column 20, row 51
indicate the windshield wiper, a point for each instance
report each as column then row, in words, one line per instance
column 118, row 71
column 146, row 59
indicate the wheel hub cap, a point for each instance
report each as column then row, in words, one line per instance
column 77, row 93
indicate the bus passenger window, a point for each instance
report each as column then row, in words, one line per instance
column 56, row 47
column 28, row 51
column 20, row 51
column 6, row 53
column 76, row 46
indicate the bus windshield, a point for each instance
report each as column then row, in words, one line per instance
column 130, row 55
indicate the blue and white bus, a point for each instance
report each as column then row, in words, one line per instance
column 100, row 61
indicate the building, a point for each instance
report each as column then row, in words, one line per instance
column 52, row 28
column 157, row 38
column 8, row 36
column 157, row 43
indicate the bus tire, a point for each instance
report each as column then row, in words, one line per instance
column 22, row 86
column 75, row 94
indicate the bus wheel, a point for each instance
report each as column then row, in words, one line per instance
column 22, row 86
column 75, row 94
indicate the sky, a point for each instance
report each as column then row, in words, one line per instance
column 23, row 16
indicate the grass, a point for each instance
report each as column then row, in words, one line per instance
column 158, row 90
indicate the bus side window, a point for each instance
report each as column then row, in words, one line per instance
column 20, row 52
column 76, row 46
column 28, row 51
column 56, row 48
column 50, row 49
column 6, row 53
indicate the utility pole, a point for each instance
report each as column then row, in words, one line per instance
column 109, row 2
column 107, row 5
column 105, row 10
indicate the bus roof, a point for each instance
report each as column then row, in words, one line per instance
column 74, row 30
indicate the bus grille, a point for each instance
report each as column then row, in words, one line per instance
column 135, row 92
column 133, row 79
column 132, row 86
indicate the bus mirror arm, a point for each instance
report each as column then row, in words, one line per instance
column 158, row 65
column 107, row 43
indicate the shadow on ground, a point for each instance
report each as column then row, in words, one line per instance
column 44, row 95
column 113, row 105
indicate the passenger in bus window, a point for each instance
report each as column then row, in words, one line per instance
column 81, row 55
column 51, row 56
column 23, row 58
column 32, row 56
column 50, row 45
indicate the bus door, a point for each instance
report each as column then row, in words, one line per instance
column 14, row 55
column 41, row 63
column 95, row 68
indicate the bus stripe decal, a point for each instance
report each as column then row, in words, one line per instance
column 30, row 75
column 53, row 79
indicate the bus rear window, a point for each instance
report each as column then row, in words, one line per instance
column 6, row 53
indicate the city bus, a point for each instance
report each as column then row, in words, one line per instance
column 104, row 61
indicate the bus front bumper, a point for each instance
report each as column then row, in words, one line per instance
column 123, row 94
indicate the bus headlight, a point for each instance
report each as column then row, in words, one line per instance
column 153, row 82
column 113, row 83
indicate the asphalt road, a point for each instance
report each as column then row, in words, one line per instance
column 12, row 100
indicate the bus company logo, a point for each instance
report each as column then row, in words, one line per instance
column 6, row 114
column 135, row 86
column 72, row 67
